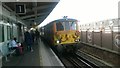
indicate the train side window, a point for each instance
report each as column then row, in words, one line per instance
column 11, row 33
column 1, row 33
column 0, row 17
column 8, row 32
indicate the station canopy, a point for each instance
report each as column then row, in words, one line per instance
column 32, row 12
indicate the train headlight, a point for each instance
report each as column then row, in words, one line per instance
column 58, row 41
column 77, row 40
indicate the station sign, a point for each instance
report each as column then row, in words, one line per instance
column 20, row 9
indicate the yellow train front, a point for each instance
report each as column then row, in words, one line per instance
column 63, row 34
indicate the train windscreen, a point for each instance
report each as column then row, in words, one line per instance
column 66, row 26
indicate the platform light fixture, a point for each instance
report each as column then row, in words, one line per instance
column 17, row 0
column 14, row 24
column 7, row 24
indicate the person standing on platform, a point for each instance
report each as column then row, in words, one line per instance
column 37, row 34
column 33, row 35
column 28, row 41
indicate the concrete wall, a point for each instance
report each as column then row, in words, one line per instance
column 105, row 43
column 102, row 34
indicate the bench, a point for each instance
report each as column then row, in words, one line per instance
column 6, row 50
column 11, row 51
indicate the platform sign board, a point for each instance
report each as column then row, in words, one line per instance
column 20, row 9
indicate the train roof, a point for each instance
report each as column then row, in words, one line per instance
column 60, row 20
column 68, row 19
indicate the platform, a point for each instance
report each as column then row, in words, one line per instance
column 48, row 57
column 41, row 56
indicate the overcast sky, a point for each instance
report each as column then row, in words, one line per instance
column 86, row 11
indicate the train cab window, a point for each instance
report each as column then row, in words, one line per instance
column 59, row 26
column 70, row 26
column 67, row 27
column 73, row 25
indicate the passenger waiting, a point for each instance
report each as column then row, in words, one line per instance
column 29, row 41
column 17, row 46
column 14, row 43
column 37, row 34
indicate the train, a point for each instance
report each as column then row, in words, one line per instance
column 63, row 34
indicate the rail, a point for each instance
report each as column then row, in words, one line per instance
column 75, row 60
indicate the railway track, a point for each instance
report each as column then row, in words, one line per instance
column 74, row 60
